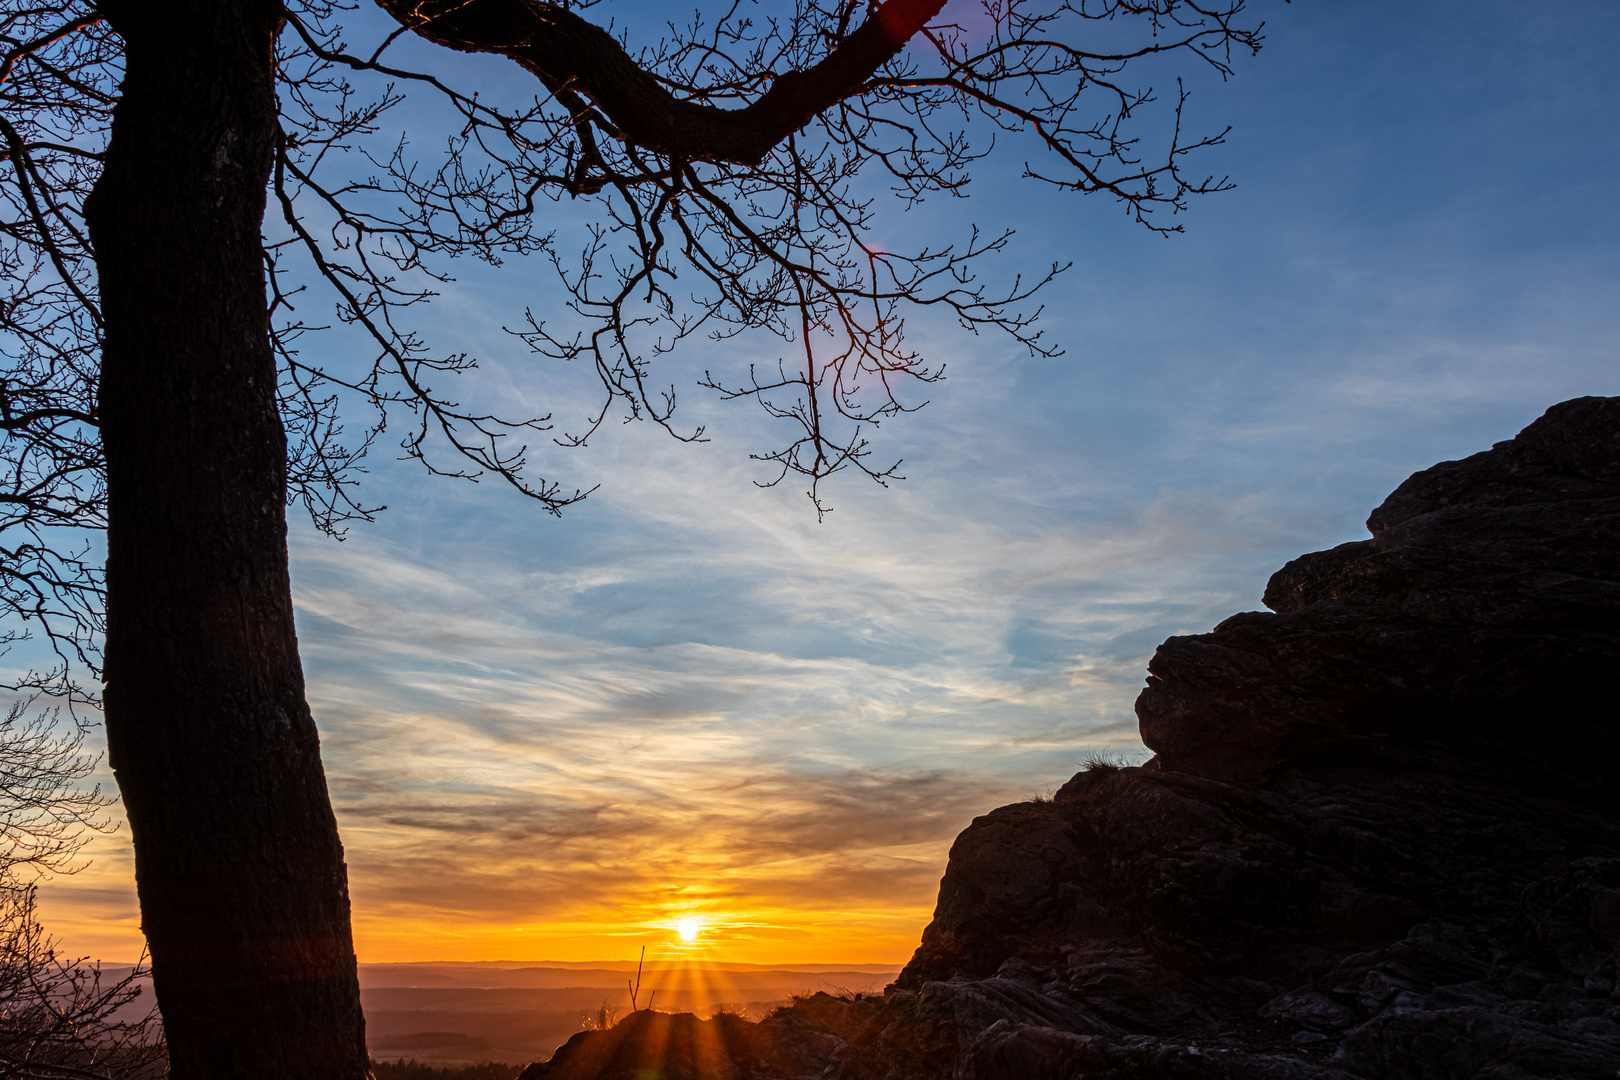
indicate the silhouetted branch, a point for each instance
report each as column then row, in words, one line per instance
column 732, row 175
column 59, row 1017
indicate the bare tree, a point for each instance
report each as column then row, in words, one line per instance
column 58, row 79
column 59, row 1016
column 733, row 165
column 62, row 1017
column 44, row 812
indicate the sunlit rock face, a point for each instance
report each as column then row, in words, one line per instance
column 1380, row 837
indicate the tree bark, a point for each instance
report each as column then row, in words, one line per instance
column 243, row 890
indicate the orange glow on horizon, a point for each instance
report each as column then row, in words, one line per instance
column 105, row 924
column 779, row 937
column 695, row 900
column 95, row 915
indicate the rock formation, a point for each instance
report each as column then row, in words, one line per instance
column 1380, row 837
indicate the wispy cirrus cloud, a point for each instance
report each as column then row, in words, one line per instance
column 555, row 769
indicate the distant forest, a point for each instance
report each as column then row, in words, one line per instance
column 413, row 1070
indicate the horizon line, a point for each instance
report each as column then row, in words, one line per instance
column 588, row 963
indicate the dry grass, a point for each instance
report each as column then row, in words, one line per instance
column 1096, row 760
column 600, row 1018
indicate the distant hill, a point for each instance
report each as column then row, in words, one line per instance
column 451, row 1014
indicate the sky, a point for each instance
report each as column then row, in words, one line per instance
column 689, row 699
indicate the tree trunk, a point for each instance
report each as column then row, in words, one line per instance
column 243, row 889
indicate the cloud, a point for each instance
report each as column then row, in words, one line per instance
column 739, row 717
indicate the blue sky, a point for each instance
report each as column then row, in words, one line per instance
column 551, row 738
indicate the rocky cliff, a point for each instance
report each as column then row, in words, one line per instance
column 1380, row 837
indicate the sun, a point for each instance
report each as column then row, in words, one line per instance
column 688, row 929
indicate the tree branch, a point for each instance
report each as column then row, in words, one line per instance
column 572, row 56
